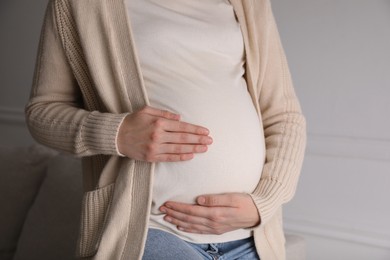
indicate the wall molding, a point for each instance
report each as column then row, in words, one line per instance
column 337, row 231
column 12, row 116
column 366, row 148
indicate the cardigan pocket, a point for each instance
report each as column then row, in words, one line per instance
column 95, row 207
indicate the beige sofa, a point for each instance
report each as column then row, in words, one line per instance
column 40, row 201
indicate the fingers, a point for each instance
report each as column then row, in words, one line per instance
column 178, row 209
column 185, row 138
column 191, row 210
column 180, row 148
column 173, row 147
column 172, row 157
column 198, row 219
column 183, row 127
column 174, row 152
column 237, row 211
column 175, row 125
column 175, row 217
column 190, row 223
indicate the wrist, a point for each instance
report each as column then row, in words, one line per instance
column 118, row 150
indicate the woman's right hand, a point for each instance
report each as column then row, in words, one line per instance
column 155, row 135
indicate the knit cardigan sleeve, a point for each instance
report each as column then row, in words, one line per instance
column 284, row 130
column 56, row 114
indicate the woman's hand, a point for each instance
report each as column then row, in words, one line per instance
column 156, row 135
column 213, row 214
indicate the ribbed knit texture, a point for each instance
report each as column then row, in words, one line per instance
column 87, row 79
column 95, row 204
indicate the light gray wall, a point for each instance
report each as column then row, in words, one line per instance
column 339, row 56
column 340, row 60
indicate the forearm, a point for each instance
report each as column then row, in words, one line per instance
column 284, row 130
column 72, row 129
column 56, row 114
column 285, row 144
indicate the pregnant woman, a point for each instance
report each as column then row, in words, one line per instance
column 186, row 119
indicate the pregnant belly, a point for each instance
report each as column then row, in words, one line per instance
column 233, row 163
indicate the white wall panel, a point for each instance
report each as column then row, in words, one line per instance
column 345, row 199
column 339, row 58
column 323, row 248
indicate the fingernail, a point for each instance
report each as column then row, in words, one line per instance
column 168, row 219
column 204, row 131
column 202, row 148
column 207, row 140
column 201, row 200
column 163, row 210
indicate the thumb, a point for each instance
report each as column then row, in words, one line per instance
column 221, row 200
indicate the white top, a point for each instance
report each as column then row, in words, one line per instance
column 191, row 51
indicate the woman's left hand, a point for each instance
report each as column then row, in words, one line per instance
column 213, row 214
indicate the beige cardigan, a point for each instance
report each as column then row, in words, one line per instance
column 88, row 78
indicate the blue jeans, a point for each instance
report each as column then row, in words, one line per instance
column 161, row 245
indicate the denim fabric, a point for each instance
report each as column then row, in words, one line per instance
column 243, row 249
column 161, row 245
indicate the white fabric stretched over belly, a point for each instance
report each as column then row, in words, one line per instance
column 192, row 59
